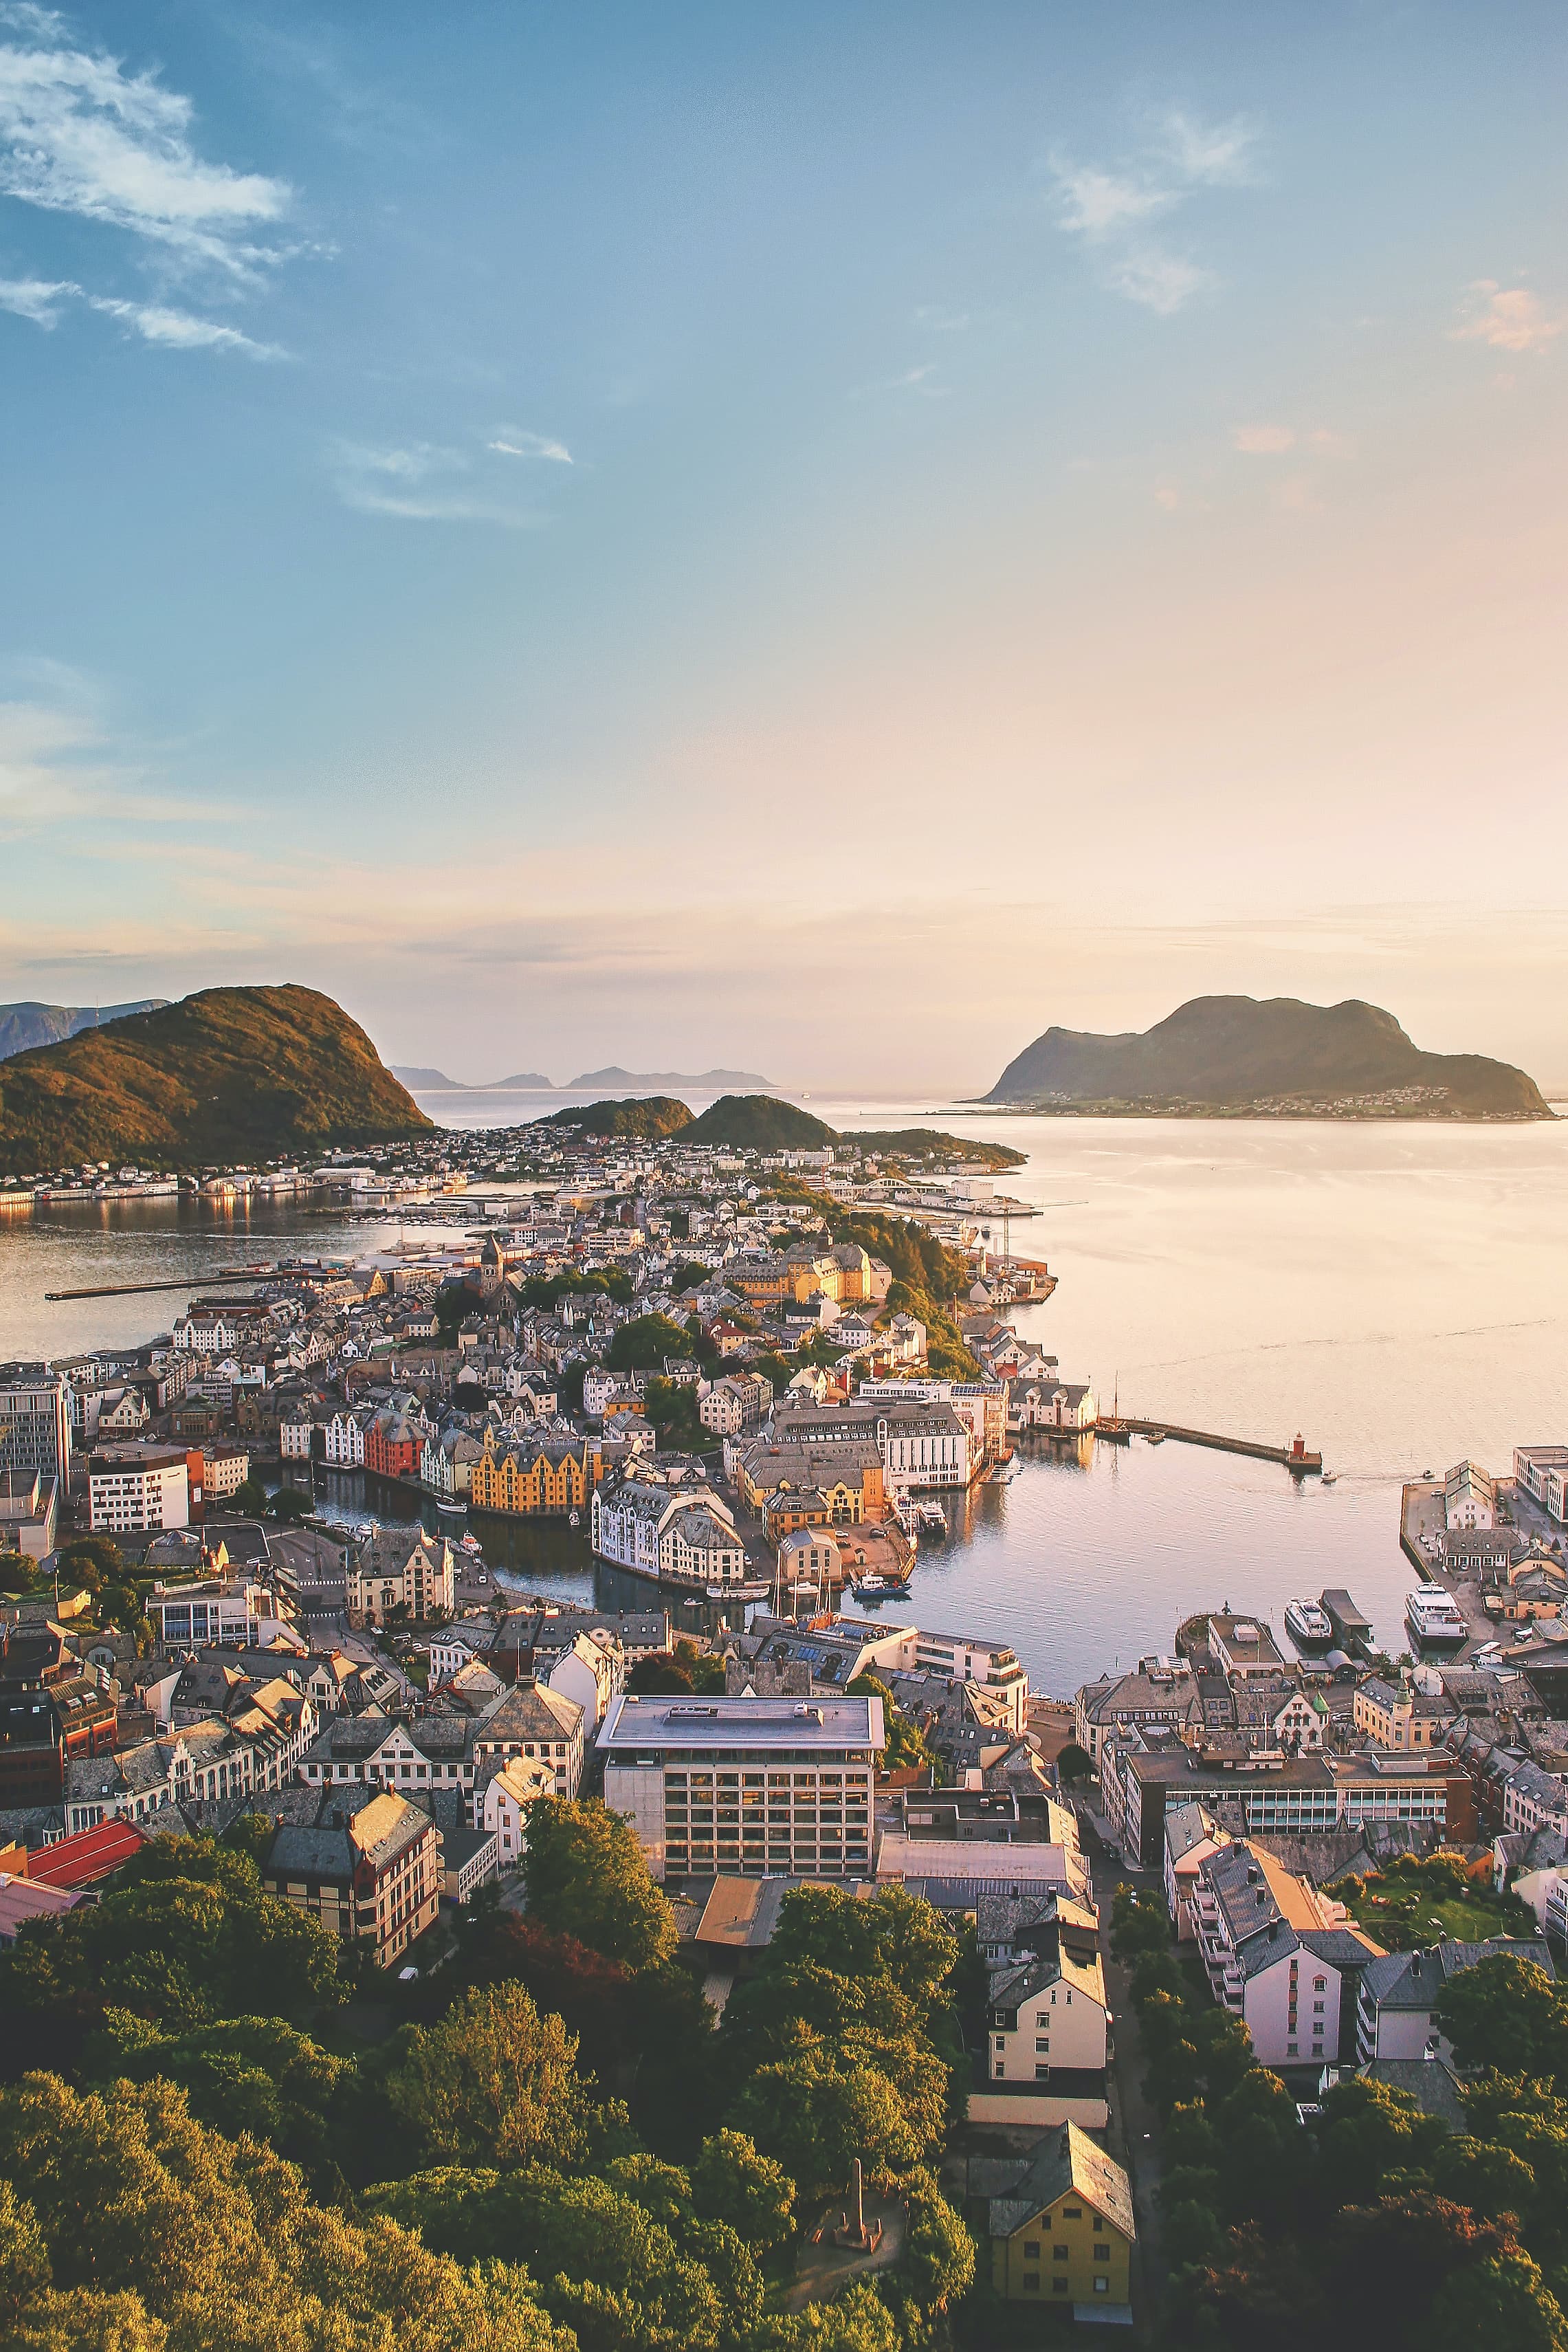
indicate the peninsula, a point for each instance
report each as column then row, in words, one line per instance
column 229, row 1075
column 764, row 1123
column 1231, row 1056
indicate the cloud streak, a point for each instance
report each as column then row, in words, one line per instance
column 1112, row 208
column 42, row 302
column 513, row 442
column 421, row 481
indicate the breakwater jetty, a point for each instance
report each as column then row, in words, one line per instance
column 1295, row 1456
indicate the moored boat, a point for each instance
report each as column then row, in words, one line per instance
column 1309, row 1624
column 1431, row 1615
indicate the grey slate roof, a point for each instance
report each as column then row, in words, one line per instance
column 1065, row 2160
column 1416, row 1980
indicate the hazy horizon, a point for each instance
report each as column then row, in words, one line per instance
column 827, row 541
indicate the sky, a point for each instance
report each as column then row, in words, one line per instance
column 823, row 539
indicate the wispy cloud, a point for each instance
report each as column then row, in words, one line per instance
column 42, row 301
column 58, row 762
column 920, row 380
column 1111, row 207
column 1263, row 440
column 420, row 481
column 1210, row 154
column 1507, row 318
column 79, row 134
column 512, row 441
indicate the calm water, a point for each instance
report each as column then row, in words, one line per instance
column 1398, row 1294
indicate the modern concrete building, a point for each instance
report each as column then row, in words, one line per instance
column 747, row 1785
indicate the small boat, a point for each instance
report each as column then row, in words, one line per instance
column 880, row 1588
column 1327, row 1478
column 1430, row 1613
column 1153, row 1437
column 1308, row 1623
column 574, row 1518
column 443, row 1505
column 469, row 1543
column 930, row 1517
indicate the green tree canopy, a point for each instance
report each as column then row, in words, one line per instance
column 733, row 2181
column 1505, row 2013
column 642, row 1345
column 186, row 1936
column 493, row 2083
column 587, row 1876
column 216, row 2242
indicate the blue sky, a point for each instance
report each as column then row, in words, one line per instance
column 825, row 538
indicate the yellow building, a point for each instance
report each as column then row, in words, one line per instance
column 540, row 1480
column 1062, row 2231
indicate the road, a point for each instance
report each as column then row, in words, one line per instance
column 1134, row 2132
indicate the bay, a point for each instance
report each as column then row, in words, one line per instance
column 1397, row 1292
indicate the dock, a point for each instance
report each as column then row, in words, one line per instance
column 194, row 1283
column 1295, row 1456
column 1351, row 1630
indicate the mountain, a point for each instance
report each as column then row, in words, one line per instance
column 644, row 1117
column 22, row 1027
column 230, row 1075
column 759, row 1123
column 1220, row 1053
column 618, row 1077
column 427, row 1082
column 521, row 1082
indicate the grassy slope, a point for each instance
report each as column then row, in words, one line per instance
column 759, row 1123
column 231, row 1073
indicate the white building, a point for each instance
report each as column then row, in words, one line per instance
column 226, row 1613
column 345, row 1439
column 1542, row 1472
column 1054, row 1404
column 1048, row 2020
column 203, row 1762
column 682, row 1534
column 592, row 1673
column 507, row 1802
column 133, row 1488
column 1469, row 1497
column 1279, row 1955
column 1397, row 2012
column 738, row 1402
column 745, row 1785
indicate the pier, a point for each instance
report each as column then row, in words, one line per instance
column 1291, row 1457
column 194, row 1283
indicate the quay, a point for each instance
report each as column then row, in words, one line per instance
column 195, row 1284
column 1351, row 1630
column 1291, row 1457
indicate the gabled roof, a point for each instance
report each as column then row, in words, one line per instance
column 1066, row 2162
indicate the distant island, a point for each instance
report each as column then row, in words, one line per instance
column 24, row 1026
column 232, row 1074
column 763, row 1123
column 1229, row 1056
column 739, row 1081
column 436, row 1082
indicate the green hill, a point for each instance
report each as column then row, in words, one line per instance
column 642, row 1117
column 759, row 1123
column 933, row 1143
column 1220, row 1053
column 229, row 1075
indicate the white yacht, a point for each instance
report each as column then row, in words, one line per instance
column 1308, row 1623
column 1430, row 1613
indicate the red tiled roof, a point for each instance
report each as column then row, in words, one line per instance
column 91, row 1854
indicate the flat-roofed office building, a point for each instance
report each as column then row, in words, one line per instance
column 747, row 1785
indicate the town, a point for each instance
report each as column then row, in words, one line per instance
column 750, row 1381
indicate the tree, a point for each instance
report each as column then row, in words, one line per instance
column 1074, row 1764
column 905, row 1747
column 1503, row 2303
column 137, row 2201
column 733, row 2181
column 941, row 2252
column 816, row 2114
column 587, row 1876
column 249, row 1497
column 289, row 1505
column 1390, row 2259
column 493, row 2083
column 643, row 1344
column 1505, row 2013
column 92, row 1561
column 186, row 1936
column 1367, row 2131
column 254, row 2072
